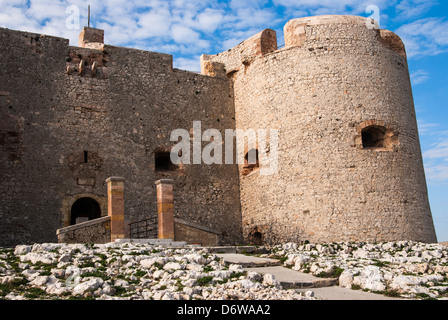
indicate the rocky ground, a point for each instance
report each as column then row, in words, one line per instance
column 129, row 271
column 403, row 269
column 137, row 271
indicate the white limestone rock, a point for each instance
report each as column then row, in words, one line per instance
column 173, row 266
column 270, row 280
column 22, row 249
column 236, row 268
column 45, row 258
column 346, row 278
column 88, row 286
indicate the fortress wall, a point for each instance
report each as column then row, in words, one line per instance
column 159, row 103
column 31, row 71
column 320, row 92
column 72, row 117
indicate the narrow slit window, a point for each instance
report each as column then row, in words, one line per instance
column 86, row 156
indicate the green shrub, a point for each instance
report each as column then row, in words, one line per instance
column 95, row 274
column 119, row 290
column 140, row 273
column 238, row 274
column 204, row 280
column 335, row 273
column 208, row 268
column 35, row 293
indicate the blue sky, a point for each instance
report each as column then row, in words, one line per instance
column 187, row 29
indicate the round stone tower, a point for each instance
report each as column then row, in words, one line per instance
column 349, row 159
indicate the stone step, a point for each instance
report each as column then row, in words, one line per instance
column 291, row 279
column 232, row 249
column 288, row 278
column 338, row 293
column 159, row 242
column 248, row 261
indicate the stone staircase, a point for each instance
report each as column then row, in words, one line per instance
column 289, row 279
column 322, row 288
column 156, row 242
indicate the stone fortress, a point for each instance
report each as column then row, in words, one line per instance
column 338, row 92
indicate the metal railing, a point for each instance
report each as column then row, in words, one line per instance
column 144, row 229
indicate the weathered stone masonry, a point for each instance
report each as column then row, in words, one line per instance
column 350, row 165
column 65, row 129
column 349, row 154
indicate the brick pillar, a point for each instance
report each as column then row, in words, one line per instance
column 115, row 195
column 165, row 208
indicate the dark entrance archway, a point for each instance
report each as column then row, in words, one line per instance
column 86, row 208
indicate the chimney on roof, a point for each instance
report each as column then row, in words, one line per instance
column 91, row 38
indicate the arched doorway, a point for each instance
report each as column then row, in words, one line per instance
column 256, row 237
column 84, row 209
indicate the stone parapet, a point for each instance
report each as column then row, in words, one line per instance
column 194, row 233
column 93, row 231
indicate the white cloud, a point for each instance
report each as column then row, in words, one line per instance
column 182, row 34
column 419, row 77
column 46, row 9
column 436, row 159
column 189, row 64
column 437, row 172
column 316, row 3
column 439, row 151
column 428, row 36
column 155, row 23
column 235, row 38
column 232, row 42
column 332, row 6
column 209, row 19
column 425, row 128
column 413, row 8
column 250, row 17
column 241, row 4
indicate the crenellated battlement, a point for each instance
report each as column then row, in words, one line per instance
column 240, row 56
column 297, row 31
column 319, row 33
column 90, row 59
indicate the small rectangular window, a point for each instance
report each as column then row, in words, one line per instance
column 163, row 162
column 251, row 162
